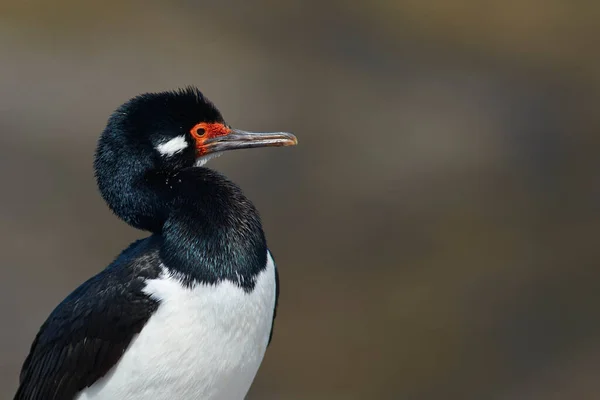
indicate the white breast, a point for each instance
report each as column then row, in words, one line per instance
column 206, row 342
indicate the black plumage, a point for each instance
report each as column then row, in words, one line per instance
column 87, row 333
column 202, row 228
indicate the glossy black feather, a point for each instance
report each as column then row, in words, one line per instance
column 276, row 302
column 126, row 157
column 203, row 228
column 85, row 336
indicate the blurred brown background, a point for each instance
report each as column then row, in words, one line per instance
column 436, row 229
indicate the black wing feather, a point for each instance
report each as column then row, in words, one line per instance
column 85, row 336
column 276, row 302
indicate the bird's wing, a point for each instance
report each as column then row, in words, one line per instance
column 276, row 302
column 87, row 333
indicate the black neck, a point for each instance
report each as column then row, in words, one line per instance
column 213, row 231
column 209, row 230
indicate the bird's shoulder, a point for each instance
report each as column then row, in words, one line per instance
column 86, row 334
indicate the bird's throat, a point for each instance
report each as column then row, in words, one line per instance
column 213, row 232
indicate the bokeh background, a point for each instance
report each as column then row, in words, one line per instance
column 436, row 229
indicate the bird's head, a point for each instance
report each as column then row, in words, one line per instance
column 157, row 134
column 179, row 129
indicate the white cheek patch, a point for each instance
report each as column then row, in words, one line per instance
column 172, row 146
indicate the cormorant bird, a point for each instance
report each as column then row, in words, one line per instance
column 188, row 312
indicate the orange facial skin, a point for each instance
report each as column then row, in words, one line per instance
column 203, row 131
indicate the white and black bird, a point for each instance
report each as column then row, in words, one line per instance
column 188, row 312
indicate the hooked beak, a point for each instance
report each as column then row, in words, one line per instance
column 238, row 139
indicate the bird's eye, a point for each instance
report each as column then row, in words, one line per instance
column 200, row 131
